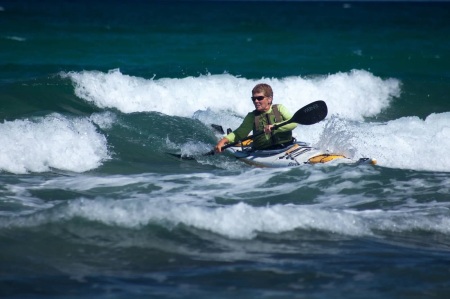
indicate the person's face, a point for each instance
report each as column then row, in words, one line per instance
column 261, row 102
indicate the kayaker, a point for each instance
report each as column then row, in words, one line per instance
column 261, row 119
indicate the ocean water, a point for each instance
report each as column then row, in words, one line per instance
column 94, row 94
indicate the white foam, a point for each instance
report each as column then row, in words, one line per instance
column 352, row 95
column 240, row 220
column 237, row 221
column 171, row 200
column 408, row 142
column 225, row 99
column 53, row 141
column 243, row 221
column 104, row 120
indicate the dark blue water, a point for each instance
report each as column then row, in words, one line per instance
column 93, row 95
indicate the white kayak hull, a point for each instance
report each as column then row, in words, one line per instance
column 297, row 154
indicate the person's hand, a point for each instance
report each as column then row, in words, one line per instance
column 268, row 129
column 220, row 144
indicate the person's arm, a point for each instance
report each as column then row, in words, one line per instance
column 286, row 115
column 240, row 133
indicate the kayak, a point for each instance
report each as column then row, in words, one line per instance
column 295, row 154
column 298, row 153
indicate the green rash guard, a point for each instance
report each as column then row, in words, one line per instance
column 247, row 126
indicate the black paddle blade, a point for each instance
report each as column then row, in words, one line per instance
column 218, row 128
column 311, row 113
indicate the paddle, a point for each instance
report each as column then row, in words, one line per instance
column 308, row 115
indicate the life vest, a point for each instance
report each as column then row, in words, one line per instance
column 262, row 119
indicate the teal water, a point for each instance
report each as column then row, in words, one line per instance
column 93, row 95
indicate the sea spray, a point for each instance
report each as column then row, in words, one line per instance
column 54, row 141
column 353, row 95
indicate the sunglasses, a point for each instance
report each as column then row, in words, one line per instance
column 260, row 98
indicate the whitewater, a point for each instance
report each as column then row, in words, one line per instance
column 355, row 100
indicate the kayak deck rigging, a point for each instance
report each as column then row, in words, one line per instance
column 295, row 154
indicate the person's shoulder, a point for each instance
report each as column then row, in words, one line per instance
column 282, row 107
column 251, row 114
column 284, row 111
column 279, row 105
